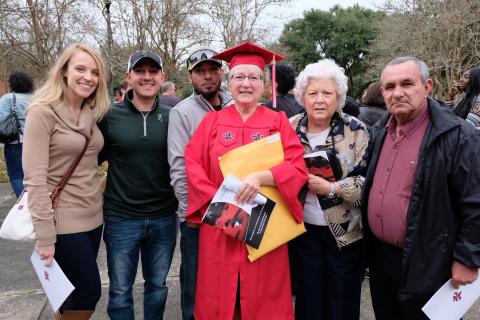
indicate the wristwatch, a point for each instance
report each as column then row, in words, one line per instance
column 333, row 190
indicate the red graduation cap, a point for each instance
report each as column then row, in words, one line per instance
column 249, row 53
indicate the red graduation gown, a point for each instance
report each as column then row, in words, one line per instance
column 222, row 263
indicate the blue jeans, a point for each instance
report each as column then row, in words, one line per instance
column 188, row 269
column 127, row 238
column 76, row 254
column 13, row 161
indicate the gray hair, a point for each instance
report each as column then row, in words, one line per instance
column 424, row 72
column 325, row 68
column 167, row 85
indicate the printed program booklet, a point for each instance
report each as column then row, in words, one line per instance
column 245, row 222
column 318, row 164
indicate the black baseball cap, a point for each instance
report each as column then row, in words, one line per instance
column 143, row 54
column 201, row 55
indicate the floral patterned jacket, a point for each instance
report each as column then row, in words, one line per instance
column 348, row 138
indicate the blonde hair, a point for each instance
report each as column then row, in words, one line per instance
column 54, row 88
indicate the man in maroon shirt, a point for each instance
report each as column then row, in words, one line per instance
column 422, row 196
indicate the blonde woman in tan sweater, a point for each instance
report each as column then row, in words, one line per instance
column 62, row 116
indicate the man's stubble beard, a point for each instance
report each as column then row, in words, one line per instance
column 208, row 94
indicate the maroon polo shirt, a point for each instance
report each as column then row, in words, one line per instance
column 394, row 177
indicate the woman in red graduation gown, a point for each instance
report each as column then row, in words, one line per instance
column 228, row 284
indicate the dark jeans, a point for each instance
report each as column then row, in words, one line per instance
column 126, row 239
column 13, row 161
column 329, row 278
column 76, row 254
column 188, row 269
column 385, row 270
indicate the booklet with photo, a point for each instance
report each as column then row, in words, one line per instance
column 319, row 164
column 56, row 285
column 245, row 222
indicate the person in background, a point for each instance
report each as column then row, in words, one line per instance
column 205, row 74
column 139, row 203
column 123, row 86
column 470, row 103
column 61, row 117
column 285, row 81
column 457, row 90
column 351, row 107
column 267, row 90
column 228, row 284
column 117, row 96
column 421, row 196
column 167, row 94
column 21, row 87
column 373, row 107
column 119, row 91
column 330, row 253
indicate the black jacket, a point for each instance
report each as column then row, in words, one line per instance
column 443, row 219
column 369, row 115
column 286, row 103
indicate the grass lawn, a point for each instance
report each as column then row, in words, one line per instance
column 3, row 168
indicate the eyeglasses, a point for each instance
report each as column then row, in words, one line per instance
column 240, row 78
column 199, row 55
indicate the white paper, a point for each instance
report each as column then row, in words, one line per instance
column 449, row 303
column 232, row 184
column 56, row 285
column 321, row 153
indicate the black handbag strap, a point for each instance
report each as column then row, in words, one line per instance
column 14, row 113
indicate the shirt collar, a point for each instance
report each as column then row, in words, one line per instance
column 410, row 127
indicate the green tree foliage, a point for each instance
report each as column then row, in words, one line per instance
column 343, row 35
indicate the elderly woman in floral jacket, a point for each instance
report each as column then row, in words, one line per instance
column 329, row 254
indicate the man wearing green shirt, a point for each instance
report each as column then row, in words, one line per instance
column 139, row 203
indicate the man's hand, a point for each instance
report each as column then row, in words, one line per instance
column 46, row 254
column 462, row 274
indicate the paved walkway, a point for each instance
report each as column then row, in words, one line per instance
column 21, row 296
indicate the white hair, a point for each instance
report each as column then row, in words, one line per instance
column 323, row 69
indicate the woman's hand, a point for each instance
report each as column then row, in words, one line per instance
column 46, row 254
column 318, row 185
column 249, row 189
column 453, row 90
column 251, row 185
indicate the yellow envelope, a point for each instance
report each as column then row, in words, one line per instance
column 264, row 154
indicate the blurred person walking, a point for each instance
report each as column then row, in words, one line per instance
column 21, row 87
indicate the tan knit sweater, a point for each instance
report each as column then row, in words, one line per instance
column 52, row 141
